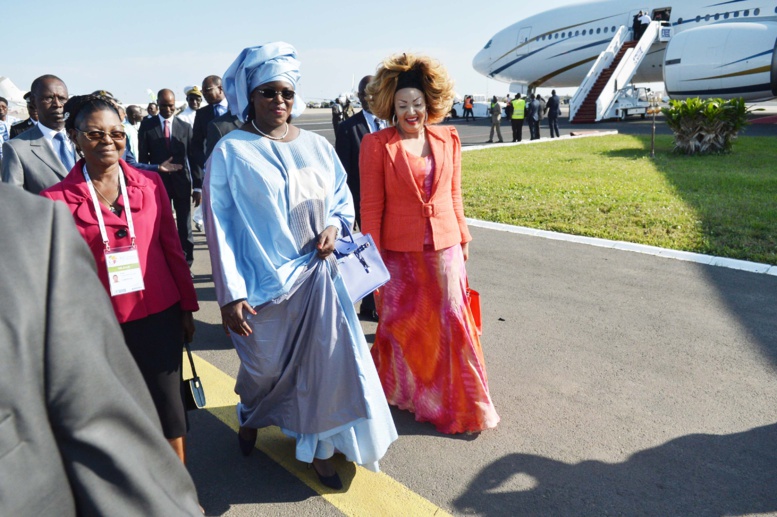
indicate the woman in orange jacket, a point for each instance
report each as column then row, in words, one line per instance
column 426, row 349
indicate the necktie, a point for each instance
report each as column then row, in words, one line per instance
column 377, row 125
column 167, row 134
column 65, row 156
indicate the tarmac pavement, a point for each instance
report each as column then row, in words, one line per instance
column 628, row 384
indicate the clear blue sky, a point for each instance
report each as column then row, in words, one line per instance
column 129, row 47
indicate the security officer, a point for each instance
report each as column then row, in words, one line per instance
column 516, row 120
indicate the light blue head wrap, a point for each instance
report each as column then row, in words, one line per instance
column 256, row 66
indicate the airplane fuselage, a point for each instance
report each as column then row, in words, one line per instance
column 557, row 48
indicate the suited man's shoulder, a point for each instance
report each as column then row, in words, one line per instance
column 357, row 120
column 23, row 139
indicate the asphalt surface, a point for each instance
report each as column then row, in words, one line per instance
column 627, row 384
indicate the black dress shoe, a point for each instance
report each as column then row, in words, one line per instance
column 332, row 481
column 247, row 445
column 368, row 315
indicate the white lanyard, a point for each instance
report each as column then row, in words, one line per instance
column 98, row 210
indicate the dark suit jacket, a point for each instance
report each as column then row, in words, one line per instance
column 203, row 117
column 30, row 162
column 20, row 127
column 347, row 144
column 152, row 148
column 553, row 107
column 79, row 434
column 217, row 128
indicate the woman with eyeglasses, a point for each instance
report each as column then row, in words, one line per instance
column 275, row 200
column 125, row 217
column 427, row 350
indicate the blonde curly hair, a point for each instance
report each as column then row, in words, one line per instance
column 437, row 86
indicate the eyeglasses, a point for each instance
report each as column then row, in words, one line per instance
column 269, row 93
column 116, row 136
column 211, row 88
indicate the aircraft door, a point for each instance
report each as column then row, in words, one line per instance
column 522, row 45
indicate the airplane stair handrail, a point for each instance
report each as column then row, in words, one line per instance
column 626, row 69
column 602, row 63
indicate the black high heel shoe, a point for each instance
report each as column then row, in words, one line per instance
column 246, row 445
column 332, row 481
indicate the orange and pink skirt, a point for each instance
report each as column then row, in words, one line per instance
column 427, row 350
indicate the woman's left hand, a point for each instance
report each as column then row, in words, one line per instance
column 465, row 250
column 326, row 242
column 187, row 325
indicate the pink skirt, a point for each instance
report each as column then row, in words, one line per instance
column 427, row 350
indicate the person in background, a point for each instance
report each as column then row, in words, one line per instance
column 275, row 200
column 553, row 107
column 533, row 116
column 20, row 127
column 517, row 116
column 125, row 217
column 540, row 113
column 160, row 139
column 348, row 144
column 213, row 92
column 427, row 349
column 495, row 110
column 468, row 108
column 42, row 156
column 337, row 113
column 193, row 101
column 79, row 432
column 152, row 110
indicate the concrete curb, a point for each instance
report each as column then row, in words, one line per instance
column 583, row 134
column 698, row 258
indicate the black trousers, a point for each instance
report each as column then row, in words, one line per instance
column 553, row 123
column 183, row 220
column 517, row 124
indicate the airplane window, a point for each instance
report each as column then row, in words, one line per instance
column 555, row 36
column 583, row 32
column 757, row 12
column 606, row 29
column 599, row 31
column 679, row 21
column 717, row 16
column 577, row 33
column 488, row 44
column 613, row 28
column 747, row 12
column 707, row 18
column 698, row 18
column 736, row 14
column 725, row 16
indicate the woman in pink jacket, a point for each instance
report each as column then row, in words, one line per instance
column 124, row 215
column 427, row 350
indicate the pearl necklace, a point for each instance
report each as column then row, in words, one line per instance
column 270, row 136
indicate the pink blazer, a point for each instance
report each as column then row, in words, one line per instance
column 165, row 273
column 392, row 206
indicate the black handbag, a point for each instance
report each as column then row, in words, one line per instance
column 193, row 394
column 360, row 264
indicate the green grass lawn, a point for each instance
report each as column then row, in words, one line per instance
column 609, row 187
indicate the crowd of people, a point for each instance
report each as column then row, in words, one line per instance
column 274, row 200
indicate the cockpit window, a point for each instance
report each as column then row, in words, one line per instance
column 488, row 44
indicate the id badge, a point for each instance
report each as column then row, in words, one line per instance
column 124, row 274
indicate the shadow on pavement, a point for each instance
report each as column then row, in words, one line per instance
column 698, row 474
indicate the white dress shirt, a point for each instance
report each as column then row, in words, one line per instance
column 49, row 135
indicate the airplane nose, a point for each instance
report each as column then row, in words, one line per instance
column 482, row 62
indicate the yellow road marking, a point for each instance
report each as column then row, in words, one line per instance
column 368, row 493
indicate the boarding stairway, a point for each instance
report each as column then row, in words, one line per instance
column 612, row 71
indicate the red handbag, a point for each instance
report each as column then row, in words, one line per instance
column 473, row 300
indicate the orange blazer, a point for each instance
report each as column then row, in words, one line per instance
column 393, row 210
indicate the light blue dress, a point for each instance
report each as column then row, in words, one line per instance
column 306, row 367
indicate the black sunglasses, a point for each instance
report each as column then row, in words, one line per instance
column 95, row 134
column 269, row 93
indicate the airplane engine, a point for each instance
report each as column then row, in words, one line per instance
column 725, row 60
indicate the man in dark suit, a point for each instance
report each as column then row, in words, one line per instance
column 217, row 106
column 553, row 107
column 42, row 156
column 219, row 127
column 163, row 137
column 20, row 127
column 347, row 144
column 78, row 431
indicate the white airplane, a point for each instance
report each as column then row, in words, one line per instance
column 718, row 48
